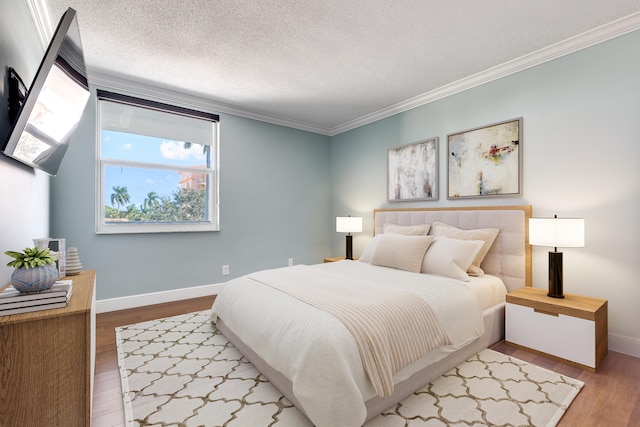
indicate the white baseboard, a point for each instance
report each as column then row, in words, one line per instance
column 624, row 344
column 133, row 301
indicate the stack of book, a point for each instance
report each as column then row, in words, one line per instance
column 14, row 302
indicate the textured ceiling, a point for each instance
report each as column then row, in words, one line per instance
column 321, row 63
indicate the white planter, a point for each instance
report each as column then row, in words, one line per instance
column 34, row 279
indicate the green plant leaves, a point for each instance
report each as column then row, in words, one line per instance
column 31, row 258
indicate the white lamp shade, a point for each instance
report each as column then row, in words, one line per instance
column 556, row 232
column 348, row 224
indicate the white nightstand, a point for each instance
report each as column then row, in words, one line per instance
column 573, row 328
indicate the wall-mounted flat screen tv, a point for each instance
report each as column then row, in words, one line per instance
column 53, row 106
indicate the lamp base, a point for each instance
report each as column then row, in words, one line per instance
column 555, row 275
column 349, row 254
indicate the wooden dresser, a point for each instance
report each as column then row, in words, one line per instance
column 47, row 362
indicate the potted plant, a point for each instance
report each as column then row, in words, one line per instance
column 35, row 269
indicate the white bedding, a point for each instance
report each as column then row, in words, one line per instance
column 314, row 351
column 488, row 289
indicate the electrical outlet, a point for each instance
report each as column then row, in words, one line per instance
column 225, row 269
column 290, row 262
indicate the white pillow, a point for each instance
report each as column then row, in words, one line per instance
column 370, row 248
column 487, row 235
column 407, row 230
column 401, row 252
column 450, row 257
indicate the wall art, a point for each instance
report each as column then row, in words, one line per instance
column 412, row 171
column 485, row 161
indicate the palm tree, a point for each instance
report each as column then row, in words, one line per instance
column 151, row 200
column 132, row 213
column 120, row 197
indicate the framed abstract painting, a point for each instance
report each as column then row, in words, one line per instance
column 412, row 171
column 485, row 161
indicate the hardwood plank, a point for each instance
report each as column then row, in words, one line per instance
column 634, row 417
column 610, row 397
column 616, row 388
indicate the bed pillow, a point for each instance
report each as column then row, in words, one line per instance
column 419, row 230
column 450, row 257
column 401, row 252
column 407, row 230
column 369, row 249
column 487, row 235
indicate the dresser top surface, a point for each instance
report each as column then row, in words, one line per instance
column 80, row 301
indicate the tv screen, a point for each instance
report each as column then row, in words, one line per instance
column 54, row 103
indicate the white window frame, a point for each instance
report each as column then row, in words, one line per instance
column 103, row 227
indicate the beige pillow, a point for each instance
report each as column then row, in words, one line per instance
column 370, row 249
column 450, row 257
column 407, row 230
column 487, row 235
column 400, row 252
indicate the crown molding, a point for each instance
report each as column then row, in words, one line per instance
column 42, row 20
column 617, row 28
column 140, row 88
column 587, row 39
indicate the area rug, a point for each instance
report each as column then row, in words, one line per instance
column 180, row 371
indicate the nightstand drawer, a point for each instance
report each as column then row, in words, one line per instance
column 567, row 337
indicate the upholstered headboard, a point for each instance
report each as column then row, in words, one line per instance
column 510, row 255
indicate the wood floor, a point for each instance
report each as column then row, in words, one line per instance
column 610, row 397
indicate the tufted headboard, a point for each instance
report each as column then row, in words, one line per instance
column 510, row 255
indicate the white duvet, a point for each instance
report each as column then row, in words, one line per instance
column 315, row 351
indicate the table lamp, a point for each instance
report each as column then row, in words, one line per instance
column 556, row 232
column 349, row 224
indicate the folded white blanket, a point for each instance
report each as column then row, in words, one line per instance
column 391, row 328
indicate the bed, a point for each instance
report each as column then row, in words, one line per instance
column 292, row 325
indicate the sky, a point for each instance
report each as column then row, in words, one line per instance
column 138, row 148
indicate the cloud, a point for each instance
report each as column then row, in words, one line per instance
column 149, row 181
column 176, row 150
column 127, row 146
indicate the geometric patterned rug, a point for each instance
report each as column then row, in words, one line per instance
column 180, row 371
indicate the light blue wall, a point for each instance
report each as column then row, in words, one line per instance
column 581, row 156
column 282, row 188
column 274, row 205
column 24, row 193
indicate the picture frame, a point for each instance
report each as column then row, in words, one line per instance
column 485, row 161
column 412, row 171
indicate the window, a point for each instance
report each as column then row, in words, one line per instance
column 157, row 167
